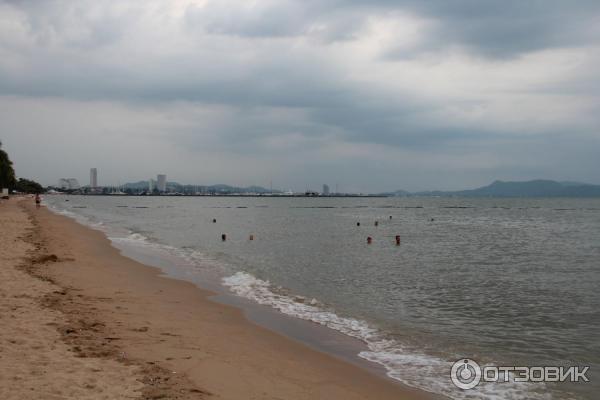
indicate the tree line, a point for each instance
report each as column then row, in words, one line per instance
column 8, row 178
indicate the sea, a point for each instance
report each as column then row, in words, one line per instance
column 503, row 282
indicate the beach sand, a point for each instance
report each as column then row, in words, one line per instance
column 78, row 320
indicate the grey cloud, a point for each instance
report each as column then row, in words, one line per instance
column 508, row 28
column 55, row 22
column 324, row 20
column 283, row 18
column 496, row 29
column 267, row 91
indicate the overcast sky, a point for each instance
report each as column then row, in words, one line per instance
column 370, row 95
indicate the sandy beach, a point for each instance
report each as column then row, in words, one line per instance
column 79, row 320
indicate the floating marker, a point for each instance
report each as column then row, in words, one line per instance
column 223, row 237
column 369, row 239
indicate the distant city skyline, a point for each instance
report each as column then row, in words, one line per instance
column 530, row 188
column 374, row 96
column 161, row 184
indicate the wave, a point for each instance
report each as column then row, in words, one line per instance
column 82, row 219
column 403, row 364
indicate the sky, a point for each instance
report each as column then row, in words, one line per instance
column 371, row 96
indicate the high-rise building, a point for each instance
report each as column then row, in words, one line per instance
column 161, row 183
column 325, row 190
column 93, row 178
column 151, row 184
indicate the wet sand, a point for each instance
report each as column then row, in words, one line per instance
column 79, row 320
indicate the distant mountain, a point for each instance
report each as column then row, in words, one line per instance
column 534, row 188
column 397, row 193
column 570, row 183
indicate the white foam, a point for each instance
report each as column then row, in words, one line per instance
column 136, row 239
column 194, row 259
column 406, row 365
column 82, row 219
column 133, row 238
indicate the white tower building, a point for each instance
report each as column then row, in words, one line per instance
column 93, row 178
column 161, row 183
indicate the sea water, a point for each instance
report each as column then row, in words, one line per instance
column 505, row 282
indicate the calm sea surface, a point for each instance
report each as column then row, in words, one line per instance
column 509, row 282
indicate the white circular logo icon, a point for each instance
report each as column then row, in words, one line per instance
column 465, row 374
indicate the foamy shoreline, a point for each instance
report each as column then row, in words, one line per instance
column 172, row 324
column 406, row 365
column 385, row 355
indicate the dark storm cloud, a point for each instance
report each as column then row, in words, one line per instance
column 324, row 80
column 487, row 28
column 509, row 28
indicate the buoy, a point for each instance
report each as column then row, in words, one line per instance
column 369, row 239
column 223, row 237
column 397, row 240
column 358, row 224
column 214, row 220
column 376, row 223
column 251, row 237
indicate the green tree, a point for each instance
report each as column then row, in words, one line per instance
column 7, row 172
column 28, row 186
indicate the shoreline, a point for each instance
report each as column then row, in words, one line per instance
column 316, row 336
column 176, row 326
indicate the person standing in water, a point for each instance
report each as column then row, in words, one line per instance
column 38, row 200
